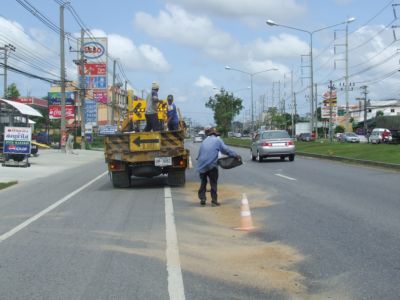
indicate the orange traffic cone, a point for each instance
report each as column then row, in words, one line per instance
column 246, row 223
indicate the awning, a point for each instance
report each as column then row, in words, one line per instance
column 23, row 108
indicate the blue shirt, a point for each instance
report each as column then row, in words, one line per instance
column 208, row 153
column 172, row 114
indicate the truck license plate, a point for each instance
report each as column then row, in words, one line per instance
column 163, row 161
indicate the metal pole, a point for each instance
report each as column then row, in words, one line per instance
column 316, row 111
column 292, row 96
column 5, row 71
column 252, row 112
column 364, row 87
column 311, row 83
column 330, row 111
column 113, row 94
column 82, row 90
column 346, row 88
column 62, row 83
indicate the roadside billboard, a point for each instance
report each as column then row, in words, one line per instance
column 95, row 70
column 55, row 105
column 17, row 140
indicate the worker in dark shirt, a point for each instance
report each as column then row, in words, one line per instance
column 173, row 120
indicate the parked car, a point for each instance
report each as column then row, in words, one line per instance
column 362, row 138
column 272, row 143
column 197, row 139
column 349, row 137
column 380, row 135
column 305, row 137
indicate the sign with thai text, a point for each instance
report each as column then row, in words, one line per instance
column 17, row 140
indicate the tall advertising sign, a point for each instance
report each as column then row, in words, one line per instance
column 95, row 68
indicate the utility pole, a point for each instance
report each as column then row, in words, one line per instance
column 292, row 96
column 331, row 88
column 365, row 93
column 111, row 121
column 6, row 48
column 62, row 83
column 316, row 111
column 82, row 90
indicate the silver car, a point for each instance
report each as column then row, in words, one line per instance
column 272, row 143
column 349, row 137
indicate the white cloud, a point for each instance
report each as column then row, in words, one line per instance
column 175, row 24
column 203, row 81
column 132, row 57
column 281, row 46
column 283, row 10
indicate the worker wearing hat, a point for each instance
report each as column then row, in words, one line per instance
column 152, row 101
column 173, row 120
column 207, row 164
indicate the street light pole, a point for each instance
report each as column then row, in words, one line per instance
column 272, row 23
column 251, row 87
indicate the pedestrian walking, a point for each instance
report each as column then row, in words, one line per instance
column 207, row 164
column 172, row 120
column 69, row 145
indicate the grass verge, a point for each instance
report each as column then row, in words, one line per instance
column 4, row 185
column 386, row 153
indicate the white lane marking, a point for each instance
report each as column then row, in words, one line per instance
column 46, row 210
column 176, row 290
column 286, row 177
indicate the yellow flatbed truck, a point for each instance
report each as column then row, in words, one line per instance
column 145, row 154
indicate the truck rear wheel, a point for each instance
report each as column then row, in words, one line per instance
column 176, row 178
column 121, row 179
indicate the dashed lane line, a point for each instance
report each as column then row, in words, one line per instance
column 286, row 177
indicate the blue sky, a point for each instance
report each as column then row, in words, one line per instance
column 185, row 45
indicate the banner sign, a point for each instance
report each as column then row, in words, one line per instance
column 100, row 96
column 17, row 140
column 108, row 129
column 94, row 69
column 90, row 112
column 96, row 82
column 325, row 112
column 55, row 112
column 55, row 98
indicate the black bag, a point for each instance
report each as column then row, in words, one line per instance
column 229, row 162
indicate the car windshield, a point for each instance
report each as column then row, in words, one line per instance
column 275, row 135
column 351, row 134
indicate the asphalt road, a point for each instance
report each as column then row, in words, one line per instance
column 324, row 230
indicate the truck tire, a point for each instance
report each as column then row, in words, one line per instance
column 176, row 178
column 121, row 179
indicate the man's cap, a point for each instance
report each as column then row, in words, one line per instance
column 211, row 131
column 154, row 85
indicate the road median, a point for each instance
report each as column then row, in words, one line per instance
column 384, row 156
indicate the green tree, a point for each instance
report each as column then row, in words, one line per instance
column 225, row 107
column 12, row 92
column 379, row 113
column 339, row 129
